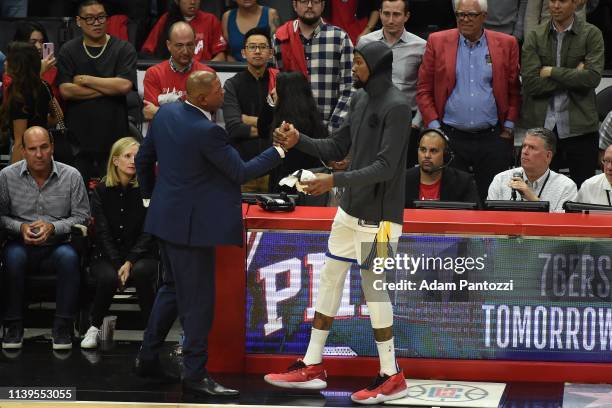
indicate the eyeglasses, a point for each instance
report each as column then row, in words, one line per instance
column 92, row 20
column 606, row 162
column 255, row 47
column 470, row 16
column 314, row 2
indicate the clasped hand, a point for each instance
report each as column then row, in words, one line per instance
column 285, row 136
column 36, row 233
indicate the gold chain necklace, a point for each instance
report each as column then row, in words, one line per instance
column 101, row 52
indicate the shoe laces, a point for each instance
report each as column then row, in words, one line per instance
column 297, row 366
column 378, row 381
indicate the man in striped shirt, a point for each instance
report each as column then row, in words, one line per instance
column 40, row 200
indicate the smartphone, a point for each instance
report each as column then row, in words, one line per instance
column 47, row 49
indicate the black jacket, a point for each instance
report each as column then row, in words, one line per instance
column 456, row 185
column 119, row 218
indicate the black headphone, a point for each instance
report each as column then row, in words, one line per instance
column 448, row 152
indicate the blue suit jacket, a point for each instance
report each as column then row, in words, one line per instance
column 195, row 199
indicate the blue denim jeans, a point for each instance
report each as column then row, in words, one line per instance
column 20, row 259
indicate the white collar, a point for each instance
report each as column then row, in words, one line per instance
column 207, row 114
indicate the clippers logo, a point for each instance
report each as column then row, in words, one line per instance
column 444, row 392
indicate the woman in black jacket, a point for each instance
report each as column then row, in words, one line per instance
column 124, row 252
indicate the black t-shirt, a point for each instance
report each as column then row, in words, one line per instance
column 34, row 110
column 97, row 122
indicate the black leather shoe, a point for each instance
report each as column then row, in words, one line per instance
column 152, row 369
column 208, row 386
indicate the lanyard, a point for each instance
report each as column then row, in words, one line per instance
column 544, row 184
column 608, row 197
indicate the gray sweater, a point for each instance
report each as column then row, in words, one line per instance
column 375, row 135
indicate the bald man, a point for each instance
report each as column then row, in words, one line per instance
column 598, row 189
column 41, row 200
column 165, row 82
column 195, row 205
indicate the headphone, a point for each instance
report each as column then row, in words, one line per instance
column 448, row 152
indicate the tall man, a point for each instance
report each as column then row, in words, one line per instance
column 323, row 53
column 562, row 63
column 40, row 200
column 95, row 73
column 469, row 85
column 165, row 82
column 408, row 52
column 198, row 184
column 371, row 210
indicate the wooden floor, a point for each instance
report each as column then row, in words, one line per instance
column 104, row 378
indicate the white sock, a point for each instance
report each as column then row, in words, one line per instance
column 386, row 354
column 314, row 354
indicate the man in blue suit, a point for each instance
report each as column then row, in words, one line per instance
column 195, row 205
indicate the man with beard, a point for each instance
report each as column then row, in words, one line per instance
column 433, row 179
column 322, row 52
column 370, row 216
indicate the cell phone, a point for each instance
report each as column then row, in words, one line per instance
column 47, row 49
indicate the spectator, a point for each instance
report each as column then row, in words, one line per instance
column 537, row 181
column 598, row 189
column 507, row 17
column 96, row 72
column 296, row 105
column 469, row 85
column 124, row 252
column 28, row 96
column 538, row 11
column 40, row 200
column 408, row 52
column 323, row 54
column 356, row 17
column 238, row 21
column 165, row 82
column 210, row 44
column 245, row 97
column 35, row 34
column 562, row 63
column 433, row 179
column 14, row 8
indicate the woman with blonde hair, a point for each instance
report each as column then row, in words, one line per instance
column 123, row 253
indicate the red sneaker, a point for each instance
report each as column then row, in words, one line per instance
column 299, row 375
column 384, row 388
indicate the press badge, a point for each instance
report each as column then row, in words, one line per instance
column 488, row 58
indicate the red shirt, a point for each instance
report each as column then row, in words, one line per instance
column 343, row 16
column 162, row 84
column 431, row 191
column 209, row 37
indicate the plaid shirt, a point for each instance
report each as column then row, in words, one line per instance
column 329, row 56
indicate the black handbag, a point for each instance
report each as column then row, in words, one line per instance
column 65, row 144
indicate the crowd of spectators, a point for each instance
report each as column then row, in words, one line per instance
column 508, row 65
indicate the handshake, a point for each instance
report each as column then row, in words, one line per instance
column 285, row 136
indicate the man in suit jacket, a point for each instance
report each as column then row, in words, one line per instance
column 195, row 205
column 433, row 179
column 478, row 107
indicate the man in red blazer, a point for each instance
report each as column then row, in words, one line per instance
column 469, row 86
